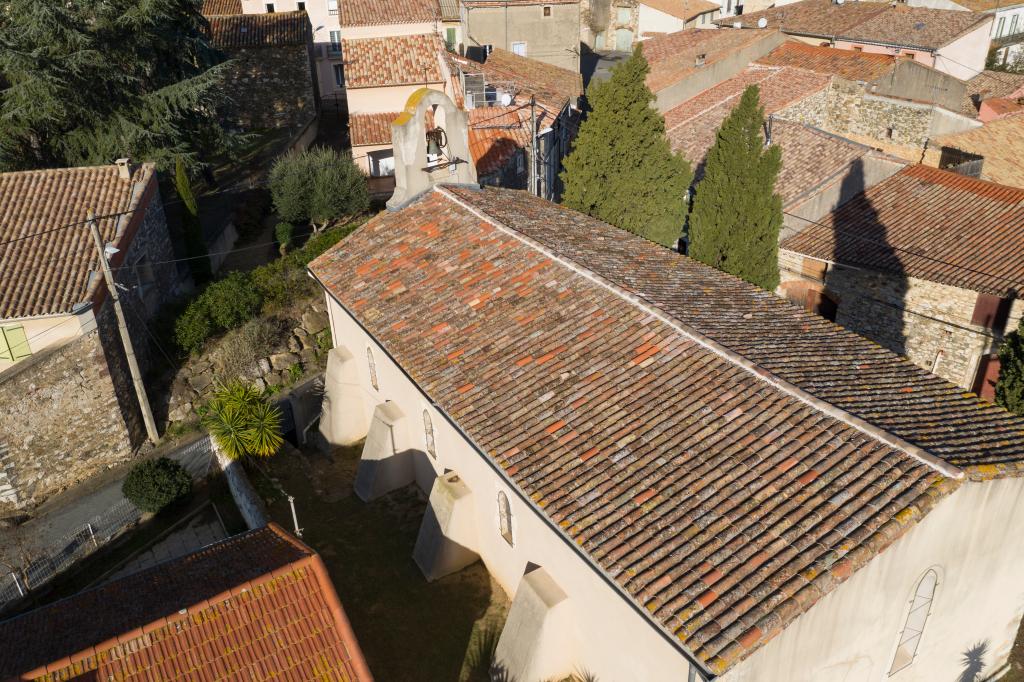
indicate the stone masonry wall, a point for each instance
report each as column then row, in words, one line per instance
column 850, row 109
column 62, row 420
column 272, row 87
column 930, row 323
column 810, row 110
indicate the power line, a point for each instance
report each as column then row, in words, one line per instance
column 65, row 226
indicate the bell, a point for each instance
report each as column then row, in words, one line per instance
column 433, row 148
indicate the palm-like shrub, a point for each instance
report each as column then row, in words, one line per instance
column 242, row 422
column 153, row 484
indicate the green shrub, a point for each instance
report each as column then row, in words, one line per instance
column 237, row 354
column 281, row 282
column 318, row 185
column 153, row 484
column 284, row 233
column 232, row 300
column 193, row 327
column 242, row 421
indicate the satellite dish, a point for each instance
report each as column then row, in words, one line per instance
column 762, row 22
column 737, row 24
column 839, row 2
column 506, row 99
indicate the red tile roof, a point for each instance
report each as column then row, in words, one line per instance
column 371, row 129
column 382, row 12
column 395, row 60
column 553, row 86
column 673, row 56
column 929, row 224
column 683, row 9
column 693, row 125
column 49, row 273
column 857, row 66
column 820, row 18
column 723, row 504
column 256, row 606
column 217, row 7
column 921, row 27
column 989, row 84
column 259, row 30
column 495, row 135
column 1001, row 142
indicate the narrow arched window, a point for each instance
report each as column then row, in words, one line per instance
column 373, row 369
column 428, row 434
column 504, row 517
column 913, row 628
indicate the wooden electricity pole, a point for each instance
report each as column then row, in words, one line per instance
column 533, row 147
column 129, row 350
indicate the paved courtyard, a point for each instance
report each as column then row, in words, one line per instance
column 203, row 528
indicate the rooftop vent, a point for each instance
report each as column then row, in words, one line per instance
column 701, row 58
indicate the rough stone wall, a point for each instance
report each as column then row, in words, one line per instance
column 62, row 421
column 810, row 110
column 271, row 87
column 927, row 322
column 852, row 110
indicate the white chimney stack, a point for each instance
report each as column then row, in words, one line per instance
column 124, row 168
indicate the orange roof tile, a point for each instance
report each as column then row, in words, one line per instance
column 553, row 86
column 822, row 18
column 929, row 224
column 1001, row 142
column 857, row 66
column 396, row 60
column 495, row 135
column 371, row 129
column 989, row 84
column 259, row 30
column 51, row 273
column 256, row 606
column 219, row 7
column 673, row 56
column 683, row 9
column 381, row 12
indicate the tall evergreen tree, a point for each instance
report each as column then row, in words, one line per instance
column 92, row 80
column 622, row 169
column 736, row 214
column 1010, row 385
column 195, row 245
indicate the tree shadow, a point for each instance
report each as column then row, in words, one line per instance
column 974, row 663
column 869, row 278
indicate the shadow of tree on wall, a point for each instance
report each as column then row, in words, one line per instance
column 974, row 663
column 861, row 243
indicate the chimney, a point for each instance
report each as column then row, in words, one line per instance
column 427, row 156
column 124, row 168
column 768, row 130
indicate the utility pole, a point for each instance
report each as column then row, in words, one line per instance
column 533, row 147
column 129, row 350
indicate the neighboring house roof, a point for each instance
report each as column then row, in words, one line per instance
column 986, row 5
column 683, row 9
column 371, row 129
column 449, row 10
column 215, row 7
column 382, row 12
column 496, row 134
column 822, row 18
column 673, row 56
column 995, row 108
column 856, row 66
column 553, row 86
column 1001, row 142
column 259, row 605
column 692, row 126
column 988, row 85
column 719, row 501
column 920, row 27
column 276, row 29
column 395, row 60
column 47, row 269
column 928, row 224
column 512, row 3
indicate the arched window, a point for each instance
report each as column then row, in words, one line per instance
column 373, row 369
column 913, row 628
column 505, row 517
column 428, row 434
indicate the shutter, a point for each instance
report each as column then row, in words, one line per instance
column 986, row 378
column 991, row 312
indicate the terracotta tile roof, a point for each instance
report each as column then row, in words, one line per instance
column 367, row 129
column 503, row 3
column 822, row 18
column 255, row 606
column 720, row 502
column 50, row 274
column 553, row 86
column 693, row 125
column 381, row 12
column 259, row 30
column 990, row 84
column 857, row 66
column 929, row 224
column 985, row 5
column 395, row 60
column 673, row 56
column 1001, row 142
column 683, row 9
column 915, row 26
column 496, row 134
column 216, row 7
column 998, row 107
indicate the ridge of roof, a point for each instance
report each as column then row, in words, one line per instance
column 731, row 356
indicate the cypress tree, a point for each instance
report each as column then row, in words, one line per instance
column 86, row 82
column 1010, row 385
column 622, row 169
column 195, row 245
column 736, row 214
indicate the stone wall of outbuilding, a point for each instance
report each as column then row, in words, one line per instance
column 271, row 87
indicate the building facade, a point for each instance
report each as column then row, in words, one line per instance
column 546, row 31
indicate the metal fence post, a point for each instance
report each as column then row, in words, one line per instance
column 92, row 536
column 17, row 583
column 295, row 519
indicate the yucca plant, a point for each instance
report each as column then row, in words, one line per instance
column 242, row 422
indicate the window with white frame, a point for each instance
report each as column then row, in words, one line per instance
column 373, row 368
column 428, row 434
column 332, row 7
column 519, row 48
column 917, row 617
column 382, row 163
column 505, row 517
column 335, row 42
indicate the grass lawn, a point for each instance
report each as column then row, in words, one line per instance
column 409, row 629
